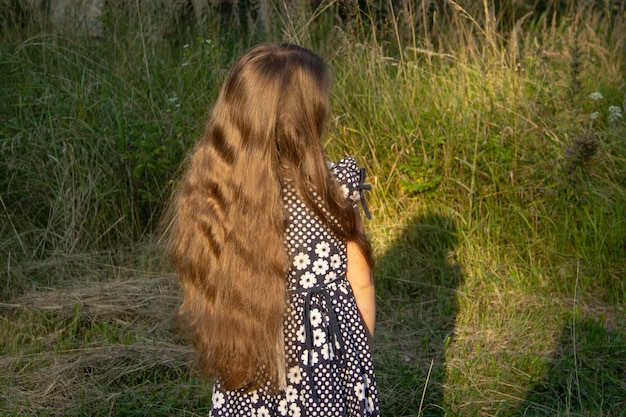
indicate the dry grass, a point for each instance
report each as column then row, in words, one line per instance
column 147, row 298
column 94, row 342
column 59, row 383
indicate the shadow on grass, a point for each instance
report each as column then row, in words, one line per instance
column 586, row 375
column 417, row 280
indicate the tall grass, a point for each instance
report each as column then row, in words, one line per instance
column 499, row 222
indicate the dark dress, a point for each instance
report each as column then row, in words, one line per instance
column 329, row 363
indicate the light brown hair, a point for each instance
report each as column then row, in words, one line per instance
column 226, row 223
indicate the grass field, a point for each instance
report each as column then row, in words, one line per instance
column 494, row 140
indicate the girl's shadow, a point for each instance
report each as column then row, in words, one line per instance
column 416, row 281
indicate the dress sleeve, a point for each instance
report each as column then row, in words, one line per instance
column 351, row 179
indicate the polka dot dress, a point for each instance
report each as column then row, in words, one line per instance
column 329, row 363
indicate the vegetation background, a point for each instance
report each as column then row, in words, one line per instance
column 494, row 137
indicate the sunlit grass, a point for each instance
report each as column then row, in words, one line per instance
column 498, row 166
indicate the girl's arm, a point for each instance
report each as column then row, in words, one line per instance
column 359, row 275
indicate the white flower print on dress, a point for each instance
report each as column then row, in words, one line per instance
column 263, row 412
column 331, row 276
column 291, row 394
column 320, row 267
column 254, row 397
column 326, row 352
column 319, row 337
column 282, row 407
column 295, row 410
column 335, row 261
column 300, row 335
column 359, row 391
column 316, row 317
column 301, row 261
column 218, row 399
column 294, row 375
column 322, row 249
column 305, row 357
column 369, row 407
column 307, row 280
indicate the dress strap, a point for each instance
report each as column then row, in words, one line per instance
column 364, row 187
column 334, row 339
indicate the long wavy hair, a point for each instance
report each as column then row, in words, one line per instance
column 226, row 221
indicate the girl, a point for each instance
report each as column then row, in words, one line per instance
column 270, row 250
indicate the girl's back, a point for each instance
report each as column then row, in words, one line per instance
column 329, row 364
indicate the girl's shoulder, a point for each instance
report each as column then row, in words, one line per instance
column 346, row 171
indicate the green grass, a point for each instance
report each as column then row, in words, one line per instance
column 498, row 202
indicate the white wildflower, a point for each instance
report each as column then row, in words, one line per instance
column 596, row 96
column 615, row 113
